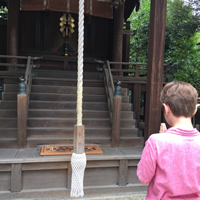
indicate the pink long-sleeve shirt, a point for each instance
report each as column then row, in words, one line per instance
column 170, row 163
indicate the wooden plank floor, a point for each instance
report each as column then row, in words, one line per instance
column 24, row 173
column 33, row 155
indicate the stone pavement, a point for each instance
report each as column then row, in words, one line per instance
column 125, row 196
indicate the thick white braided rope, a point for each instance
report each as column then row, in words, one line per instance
column 78, row 163
column 80, row 62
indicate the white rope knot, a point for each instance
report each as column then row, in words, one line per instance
column 78, row 163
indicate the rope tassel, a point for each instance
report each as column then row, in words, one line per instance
column 78, row 163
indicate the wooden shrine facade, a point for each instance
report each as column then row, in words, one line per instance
column 33, row 28
column 93, row 8
column 37, row 33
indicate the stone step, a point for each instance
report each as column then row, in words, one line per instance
column 6, row 143
column 8, row 113
column 11, row 80
column 41, row 113
column 62, row 105
column 130, row 141
column 69, row 131
column 8, row 132
column 66, row 105
column 60, row 97
column 67, row 89
column 4, row 105
column 67, row 82
column 66, row 97
column 35, row 142
column 66, row 132
column 62, row 122
column 67, row 74
column 10, row 88
column 8, row 122
column 129, row 132
column 61, row 89
column 69, row 105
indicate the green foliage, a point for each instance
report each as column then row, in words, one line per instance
column 3, row 13
column 181, row 26
column 139, row 42
column 181, row 39
column 182, row 35
column 195, row 5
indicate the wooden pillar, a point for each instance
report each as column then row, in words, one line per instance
column 116, row 118
column 118, row 22
column 126, row 43
column 123, row 173
column 22, row 111
column 79, row 139
column 13, row 30
column 136, row 102
column 16, row 177
column 69, row 175
column 155, row 66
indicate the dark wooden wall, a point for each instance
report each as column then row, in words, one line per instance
column 3, row 38
column 39, row 34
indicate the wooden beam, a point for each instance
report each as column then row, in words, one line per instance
column 116, row 118
column 13, row 31
column 69, row 175
column 79, row 139
column 16, row 178
column 118, row 23
column 123, row 173
column 126, row 43
column 136, row 102
column 155, row 66
column 22, row 106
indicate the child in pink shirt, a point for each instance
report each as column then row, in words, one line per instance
column 170, row 161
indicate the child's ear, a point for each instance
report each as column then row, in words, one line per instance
column 167, row 109
column 195, row 111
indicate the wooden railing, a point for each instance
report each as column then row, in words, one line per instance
column 134, row 77
column 23, row 97
column 114, row 104
column 109, row 87
column 28, row 76
column 128, row 78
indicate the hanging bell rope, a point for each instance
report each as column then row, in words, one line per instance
column 78, row 160
column 80, row 62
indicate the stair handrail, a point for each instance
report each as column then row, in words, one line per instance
column 109, row 86
column 28, row 76
column 114, row 104
column 23, row 97
column 23, row 103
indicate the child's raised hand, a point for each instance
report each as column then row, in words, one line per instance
column 163, row 128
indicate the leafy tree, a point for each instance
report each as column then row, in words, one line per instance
column 140, row 24
column 195, row 5
column 181, row 39
column 183, row 23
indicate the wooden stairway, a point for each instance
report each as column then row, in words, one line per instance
column 52, row 111
column 8, row 114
